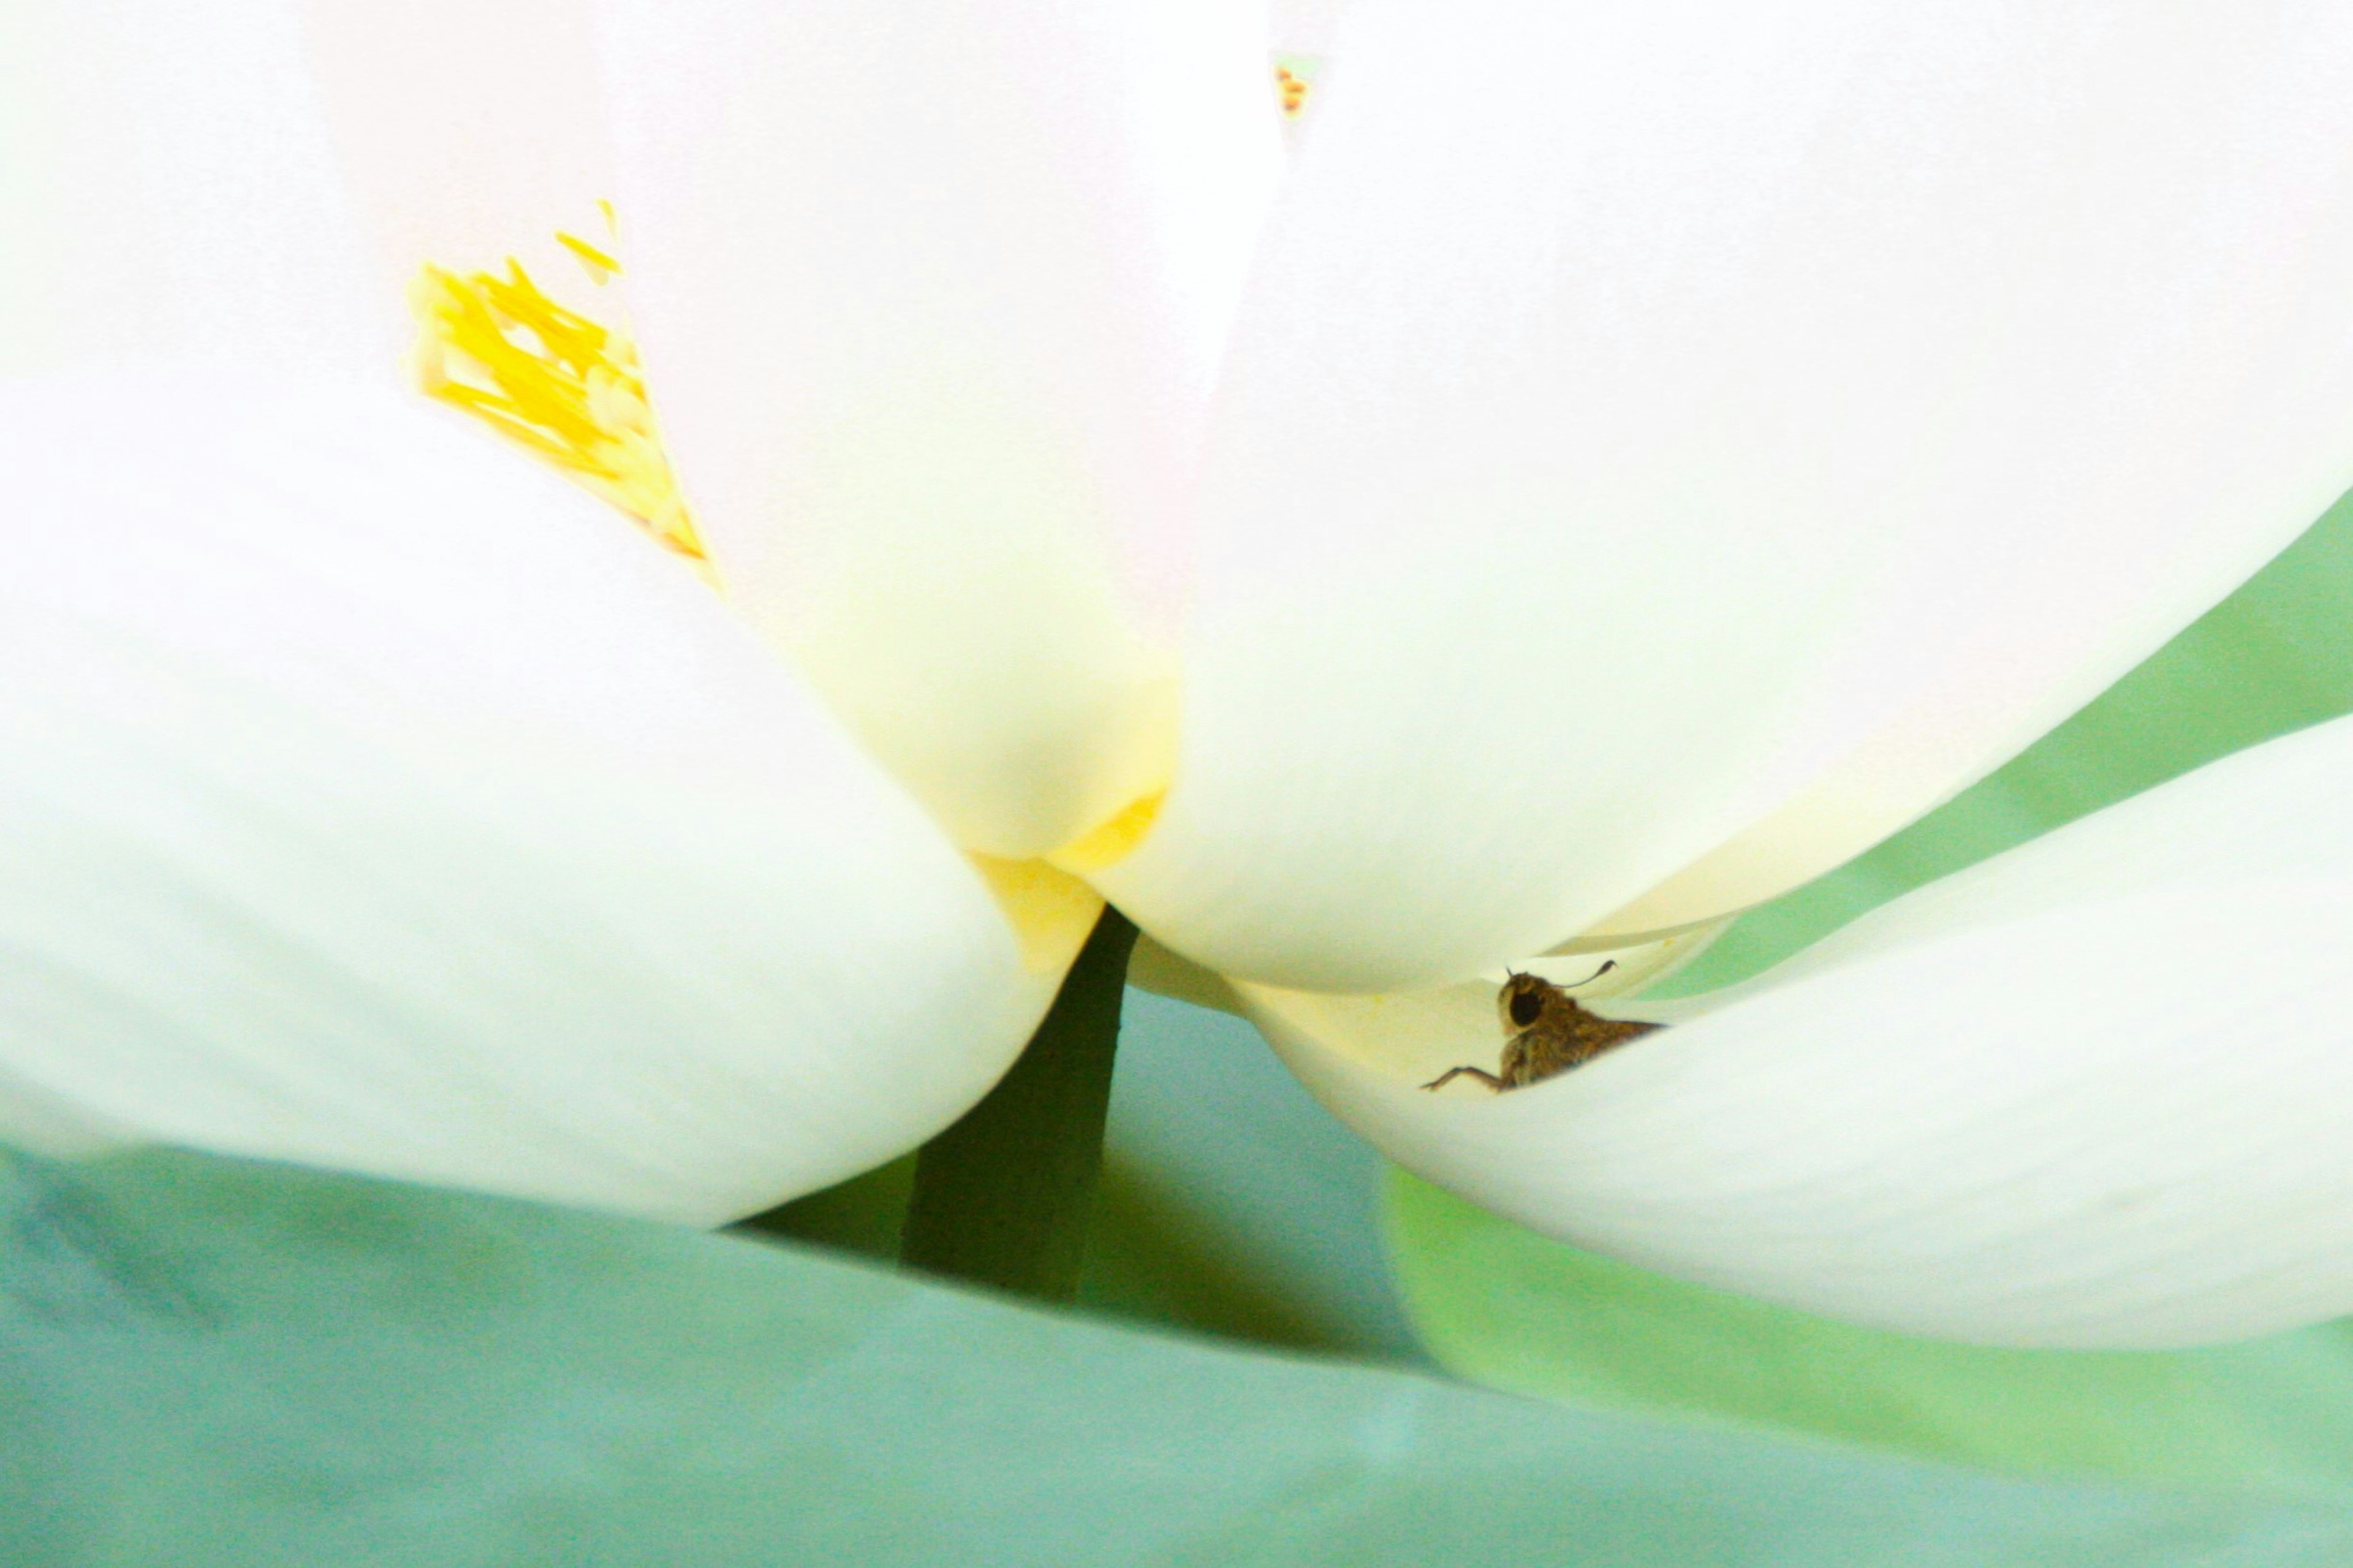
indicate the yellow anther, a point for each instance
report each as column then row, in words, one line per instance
column 1294, row 76
column 600, row 266
column 561, row 385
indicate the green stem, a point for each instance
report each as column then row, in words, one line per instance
column 1002, row 1198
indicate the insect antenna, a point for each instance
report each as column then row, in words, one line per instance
column 1606, row 965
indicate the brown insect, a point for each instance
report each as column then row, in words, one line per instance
column 1550, row 1033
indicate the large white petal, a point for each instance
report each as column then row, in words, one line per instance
column 168, row 183
column 376, row 799
column 1642, row 405
column 1310, row 27
column 2093, row 1092
column 932, row 297
column 468, row 132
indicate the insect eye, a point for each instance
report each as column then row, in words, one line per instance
column 1525, row 1008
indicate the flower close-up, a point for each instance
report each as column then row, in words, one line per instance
column 601, row 596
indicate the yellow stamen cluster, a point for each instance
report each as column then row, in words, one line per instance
column 1292, row 76
column 554, row 382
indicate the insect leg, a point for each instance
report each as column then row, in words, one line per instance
column 1482, row 1074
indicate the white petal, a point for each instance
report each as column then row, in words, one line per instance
column 171, row 187
column 2032, row 649
column 932, row 297
column 374, row 799
column 2090, row 1093
column 1312, row 28
column 468, row 131
column 1643, row 405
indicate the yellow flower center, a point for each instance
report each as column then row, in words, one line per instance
column 570, row 389
column 562, row 386
column 1295, row 75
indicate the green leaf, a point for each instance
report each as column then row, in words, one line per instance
column 1518, row 1312
column 220, row 1365
column 1230, row 1203
column 1510, row 1310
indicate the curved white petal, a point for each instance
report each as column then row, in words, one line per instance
column 2093, row 1092
column 468, row 132
column 1643, row 405
column 2032, row 649
column 931, row 298
column 376, row 799
column 168, row 183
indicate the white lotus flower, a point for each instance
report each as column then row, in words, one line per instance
column 1612, row 465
